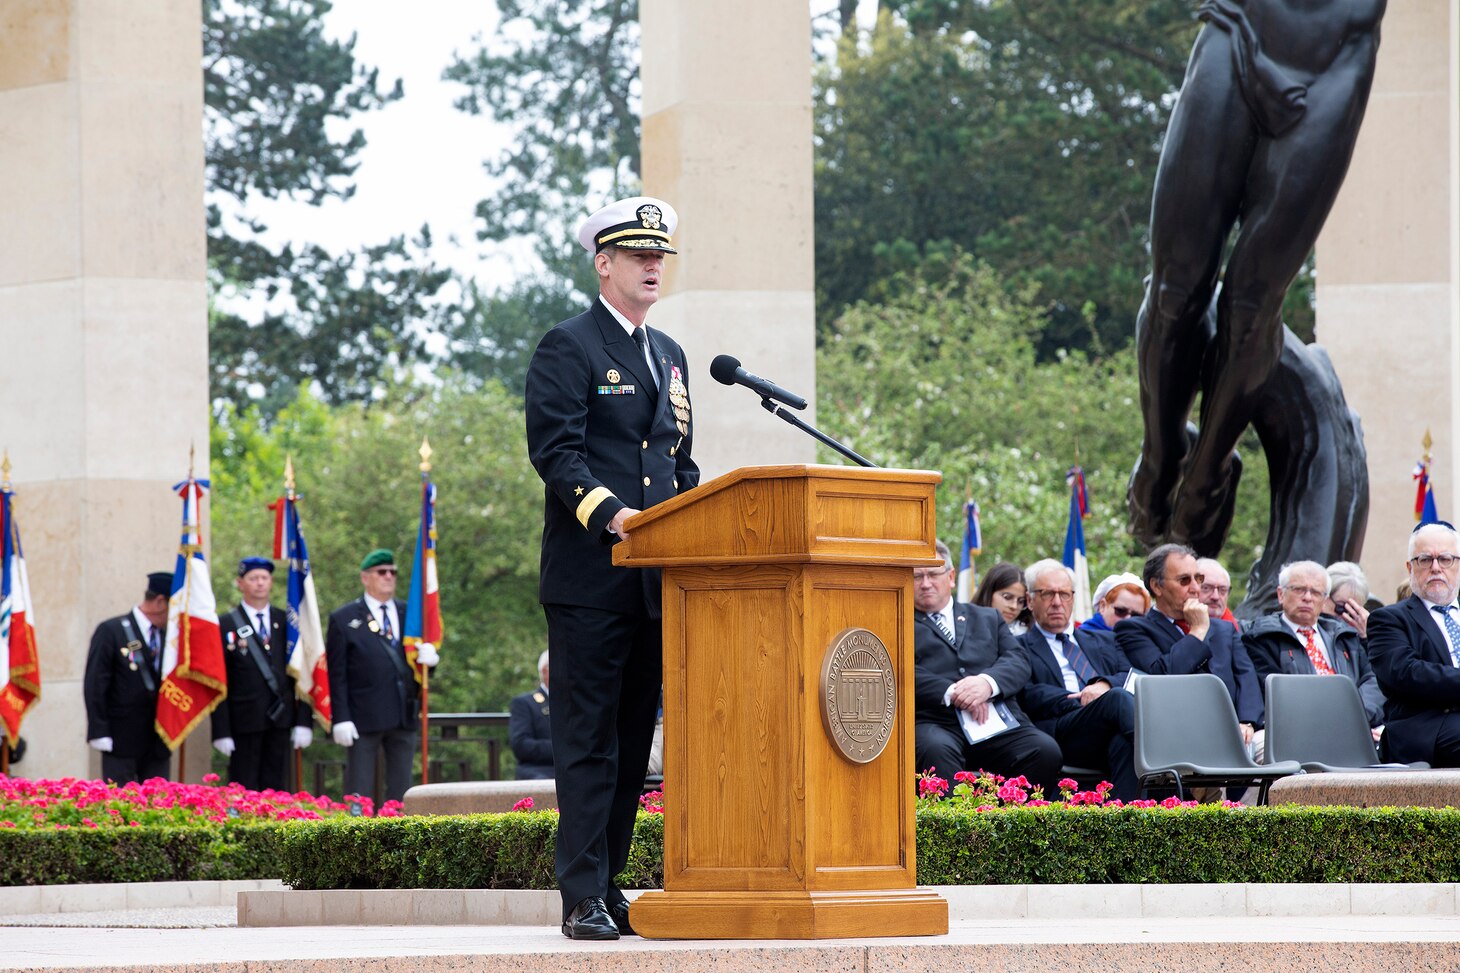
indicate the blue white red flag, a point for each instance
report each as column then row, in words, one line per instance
column 194, row 680
column 972, row 546
column 20, row 673
column 1424, row 496
column 307, row 662
column 423, row 607
column 1074, row 558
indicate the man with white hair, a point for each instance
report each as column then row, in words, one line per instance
column 1414, row 646
column 1074, row 693
column 1117, row 598
column 1215, row 589
column 1299, row 639
column 529, row 729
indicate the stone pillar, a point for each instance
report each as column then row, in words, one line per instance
column 727, row 141
column 1389, row 276
column 103, row 309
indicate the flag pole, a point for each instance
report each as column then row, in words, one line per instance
column 425, row 452
column 289, row 498
column 4, row 741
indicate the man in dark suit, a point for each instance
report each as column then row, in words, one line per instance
column 609, row 432
column 1299, row 639
column 375, row 695
column 1178, row 635
column 968, row 669
column 123, row 673
column 529, row 729
column 1073, row 691
column 1414, row 646
column 255, row 725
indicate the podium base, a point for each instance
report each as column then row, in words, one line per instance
column 789, row 915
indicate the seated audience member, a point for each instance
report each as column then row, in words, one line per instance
column 1413, row 646
column 1002, row 589
column 1299, row 639
column 1073, row 693
column 1178, row 634
column 1216, row 587
column 528, row 729
column 968, row 669
column 1348, row 599
column 1117, row 598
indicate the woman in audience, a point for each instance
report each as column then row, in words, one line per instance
column 1348, row 596
column 1002, row 589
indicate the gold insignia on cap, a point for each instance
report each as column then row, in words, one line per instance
column 613, row 376
column 650, row 215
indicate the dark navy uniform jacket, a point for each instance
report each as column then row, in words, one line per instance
column 246, row 710
column 121, row 701
column 602, row 438
column 529, row 731
column 371, row 684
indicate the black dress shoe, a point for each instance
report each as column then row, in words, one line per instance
column 620, row 913
column 590, row 920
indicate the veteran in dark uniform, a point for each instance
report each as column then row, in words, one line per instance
column 609, row 432
column 123, row 673
column 262, row 715
column 374, row 693
column 529, row 729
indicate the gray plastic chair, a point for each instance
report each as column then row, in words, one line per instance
column 1319, row 721
column 1187, row 730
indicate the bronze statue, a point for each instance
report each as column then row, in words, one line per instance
column 1260, row 138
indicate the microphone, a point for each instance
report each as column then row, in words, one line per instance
column 726, row 370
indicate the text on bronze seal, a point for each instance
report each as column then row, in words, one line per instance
column 858, row 694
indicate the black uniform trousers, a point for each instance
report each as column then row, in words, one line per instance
column 261, row 760
column 607, row 670
column 1102, row 735
column 1023, row 750
column 399, row 747
column 157, row 762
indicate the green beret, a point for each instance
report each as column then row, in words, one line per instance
column 376, row 558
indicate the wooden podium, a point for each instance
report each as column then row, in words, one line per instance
column 782, row 585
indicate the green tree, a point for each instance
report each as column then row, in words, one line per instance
column 943, row 373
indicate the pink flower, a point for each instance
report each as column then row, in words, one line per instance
column 1067, row 784
column 931, row 786
column 211, row 778
column 526, row 804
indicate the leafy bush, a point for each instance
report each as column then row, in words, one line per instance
column 145, row 853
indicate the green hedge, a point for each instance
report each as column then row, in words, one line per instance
column 141, row 854
column 1052, row 845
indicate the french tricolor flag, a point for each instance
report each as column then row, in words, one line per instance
column 20, row 674
column 194, row 679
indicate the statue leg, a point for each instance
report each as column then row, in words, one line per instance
column 1199, row 185
column 1292, row 184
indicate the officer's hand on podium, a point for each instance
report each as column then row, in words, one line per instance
column 102, row 744
column 303, row 737
column 616, row 525
column 345, row 733
column 427, row 655
column 224, row 745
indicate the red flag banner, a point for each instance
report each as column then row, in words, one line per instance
column 20, row 672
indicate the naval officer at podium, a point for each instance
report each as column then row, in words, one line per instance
column 609, row 432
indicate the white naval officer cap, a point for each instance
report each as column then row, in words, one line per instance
column 636, row 223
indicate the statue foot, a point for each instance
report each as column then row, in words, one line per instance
column 1148, row 499
column 1204, row 508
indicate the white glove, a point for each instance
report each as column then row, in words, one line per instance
column 345, row 733
column 426, row 654
column 303, row 737
column 103, row 744
column 224, row 745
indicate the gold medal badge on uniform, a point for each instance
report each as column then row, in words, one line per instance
column 679, row 399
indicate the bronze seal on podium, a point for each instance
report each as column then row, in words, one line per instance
column 858, row 694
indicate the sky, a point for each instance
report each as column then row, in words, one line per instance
column 423, row 159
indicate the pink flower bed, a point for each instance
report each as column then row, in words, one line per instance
column 73, row 803
column 983, row 791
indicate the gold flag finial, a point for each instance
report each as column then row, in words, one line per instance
column 5, row 467
column 425, row 452
column 289, row 472
column 1427, row 442
column 192, row 449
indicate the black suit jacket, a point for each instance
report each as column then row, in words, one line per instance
column 121, row 702
column 1154, row 645
column 982, row 643
column 1045, row 697
column 371, row 684
column 599, row 449
column 246, row 710
column 1415, row 672
column 1276, row 648
column 530, row 732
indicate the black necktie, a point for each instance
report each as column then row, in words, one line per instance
column 385, row 628
column 642, row 340
column 1076, row 656
column 154, row 649
column 942, row 625
column 263, row 631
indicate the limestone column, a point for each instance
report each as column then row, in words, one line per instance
column 727, row 141
column 1388, row 262
column 103, row 313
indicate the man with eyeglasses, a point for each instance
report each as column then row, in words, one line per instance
column 1300, row 639
column 1179, row 636
column 1413, row 646
column 967, row 670
column 1216, row 588
column 374, row 692
column 1073, row 693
